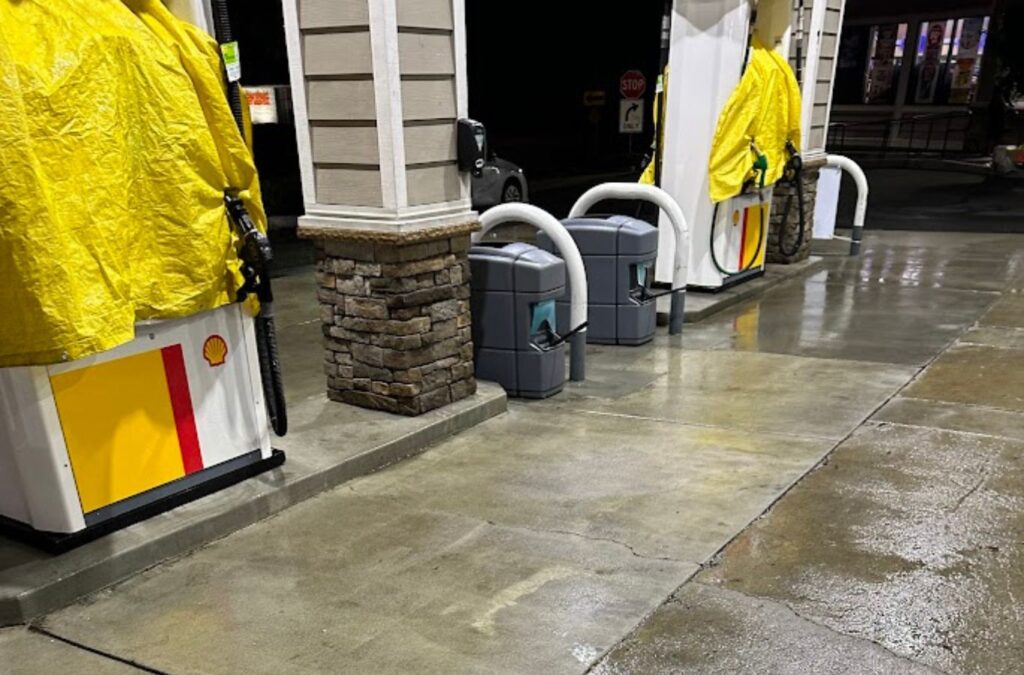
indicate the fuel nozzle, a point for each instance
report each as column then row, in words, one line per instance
column 256, row 255
column 795, row 163
column 255, row 251
column 760, row 164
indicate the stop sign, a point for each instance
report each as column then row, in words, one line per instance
column 633, row 84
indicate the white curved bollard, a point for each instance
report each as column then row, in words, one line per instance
column 547, row 223
column 666, row 203
column 851, row 167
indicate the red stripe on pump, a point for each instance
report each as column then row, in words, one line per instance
column 181, row 404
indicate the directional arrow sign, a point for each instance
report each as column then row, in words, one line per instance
column 631, row 116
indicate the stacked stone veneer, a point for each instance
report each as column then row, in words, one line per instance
column 788, row 231
column 396, row 323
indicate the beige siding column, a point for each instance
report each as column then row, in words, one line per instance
column 378, row 86
column 824, row 39
column 376, row 123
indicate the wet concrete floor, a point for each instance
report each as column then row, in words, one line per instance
column 817, row 481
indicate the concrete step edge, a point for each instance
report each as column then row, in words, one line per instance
column 31, row 591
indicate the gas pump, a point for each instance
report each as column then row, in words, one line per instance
column 731, row 124
column 107, row 429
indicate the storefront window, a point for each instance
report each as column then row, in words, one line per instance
column 947, row 61
column 882, row 77
column 851, row 64
column 967, row 51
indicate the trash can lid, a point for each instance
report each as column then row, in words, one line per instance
column 517, row 267
column 612, row 235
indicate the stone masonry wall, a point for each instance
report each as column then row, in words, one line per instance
column 396, row 323
column 789, row 230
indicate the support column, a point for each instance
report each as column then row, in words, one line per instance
column 377, row 87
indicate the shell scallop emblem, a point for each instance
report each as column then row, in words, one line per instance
column 215, row 351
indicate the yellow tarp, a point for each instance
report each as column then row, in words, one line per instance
column 116, row 146
column 647, row 177
column 763, row 111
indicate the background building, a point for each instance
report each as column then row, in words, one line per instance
column 921, row 76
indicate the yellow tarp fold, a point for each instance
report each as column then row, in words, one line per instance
column 762, row 112
column 116, row 147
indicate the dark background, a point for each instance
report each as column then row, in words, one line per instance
column 529, row 64
column 259, row 28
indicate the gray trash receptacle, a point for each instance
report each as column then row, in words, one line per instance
column 514, row 292
column 619, row 254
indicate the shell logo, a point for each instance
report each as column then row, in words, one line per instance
column 215, row 351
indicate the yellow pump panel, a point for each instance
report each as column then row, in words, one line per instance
column 753, row 244
column 119, row 427
column 116, row 147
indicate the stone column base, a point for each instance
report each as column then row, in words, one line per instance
column 396, row 321
column 787, row 232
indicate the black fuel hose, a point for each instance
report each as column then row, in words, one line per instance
column 794, row 177
column 794, row 167
column 224, row 35
column 559, row 339
column 257, row 255
column 222, row 21
column 270, row 371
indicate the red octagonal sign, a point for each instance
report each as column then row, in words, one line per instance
column 633, row 84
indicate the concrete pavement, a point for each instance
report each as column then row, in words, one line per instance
column 903, row 553
column 566, row 534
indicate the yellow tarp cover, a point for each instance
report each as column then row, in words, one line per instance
column 764, row 110
column 116, row 147
column 647, row 177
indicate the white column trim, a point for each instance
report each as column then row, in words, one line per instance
column 387, row 87
column 296, row 73
column 907, row 67
column 812, row 58
column 461, row 78
column 832, row 75
column 459, row 45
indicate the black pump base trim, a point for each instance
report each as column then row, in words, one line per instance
column 729, row 282
column 57, row 543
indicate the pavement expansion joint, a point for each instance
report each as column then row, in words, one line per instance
column 970, row 492
column 608, row 540
column 1002, row 348
column 846, row 636
column 883, row 424
column 701, row 425
column 962, row 404
column 38, row 629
